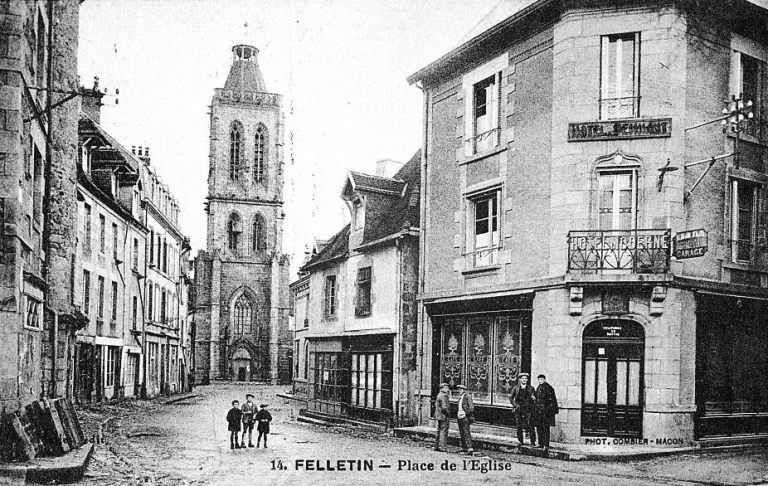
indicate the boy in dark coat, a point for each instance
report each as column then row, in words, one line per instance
column 546, row 409
column 233, row 419
column 263, row 417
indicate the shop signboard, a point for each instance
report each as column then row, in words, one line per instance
column 690, row 244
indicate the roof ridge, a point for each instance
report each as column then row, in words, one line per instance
column 376, row 175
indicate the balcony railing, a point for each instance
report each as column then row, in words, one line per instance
column 483, row 257
column 624, row 107
column 619, row 251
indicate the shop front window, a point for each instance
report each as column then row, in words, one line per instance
column 483, row 353
column 327, row 375
column 506, row 362
column 479, row 358
column 371, row 380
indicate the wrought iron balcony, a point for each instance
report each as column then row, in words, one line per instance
column 619, row 251
column 483, row 257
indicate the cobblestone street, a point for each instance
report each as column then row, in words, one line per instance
column 148, row 442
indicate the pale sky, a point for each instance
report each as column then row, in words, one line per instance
column 341, row 66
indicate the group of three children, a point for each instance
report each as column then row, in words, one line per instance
column 247, row 415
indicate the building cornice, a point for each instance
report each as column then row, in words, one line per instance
column 252, row 202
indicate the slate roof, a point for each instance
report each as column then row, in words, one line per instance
column 86, row 127
column 374, row 183
column 500, row 12
column 338, row 246
column 244, row 74
column 403, row 211
column 502, row 15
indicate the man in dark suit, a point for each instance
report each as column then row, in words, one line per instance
column 546, row 409
column 442, row 409
column 522, row 399
column 465, row 416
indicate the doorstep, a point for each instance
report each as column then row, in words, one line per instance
column 62, row 469
column 339, row 420
column 557, row 450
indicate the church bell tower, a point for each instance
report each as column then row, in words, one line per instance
column 244, row 268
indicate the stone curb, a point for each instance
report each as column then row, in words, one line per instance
column 289, row 396
column 511, row 445
column 180, row 398
column 68, row 468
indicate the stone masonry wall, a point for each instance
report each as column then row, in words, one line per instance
column 61, row 203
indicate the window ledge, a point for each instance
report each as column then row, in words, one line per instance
column 481, row 270
column 750, row 267
column 748, row 138
column 31, row 328
column 482, row 155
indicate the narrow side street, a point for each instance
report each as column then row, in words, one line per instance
column 148, row 442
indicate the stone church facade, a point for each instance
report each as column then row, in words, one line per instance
column 241, row 279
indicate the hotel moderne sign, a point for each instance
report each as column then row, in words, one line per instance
column 619, row 129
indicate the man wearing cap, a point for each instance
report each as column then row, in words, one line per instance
column 442, row 409
column 465, row 416
column 546, row 409
column 522, row 400
column 249, row 412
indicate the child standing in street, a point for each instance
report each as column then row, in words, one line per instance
column 263, row 417
column 233, row 419
column 248, row 410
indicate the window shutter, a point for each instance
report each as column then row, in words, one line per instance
column 762, row 225
column 468, row 140
column 493, row 103
column 118, row 380
column 735, row 79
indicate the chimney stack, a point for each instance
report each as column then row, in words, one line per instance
column 91, row 103
column 144, row 157
column 142, row 153
column 388, row 167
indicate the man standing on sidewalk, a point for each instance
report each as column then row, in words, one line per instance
column 465, row 417
column 442, row 409
column 522, row 398
column 546, row 409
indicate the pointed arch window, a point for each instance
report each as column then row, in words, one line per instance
column 235, row 151
column 259, row 234
column 260, row 154
column 243, row 315
column 233, row 232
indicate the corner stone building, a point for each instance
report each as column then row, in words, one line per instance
column 241, row 280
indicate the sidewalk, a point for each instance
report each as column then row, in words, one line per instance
column 181, row 397
column 557, row 450
column 63, row 469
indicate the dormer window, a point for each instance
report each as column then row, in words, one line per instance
column 113, row 184
column 358, row 214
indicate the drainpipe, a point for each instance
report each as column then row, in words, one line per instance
column 47, row 194
column 399, row 321
column 422, row 318
column 143, row 314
